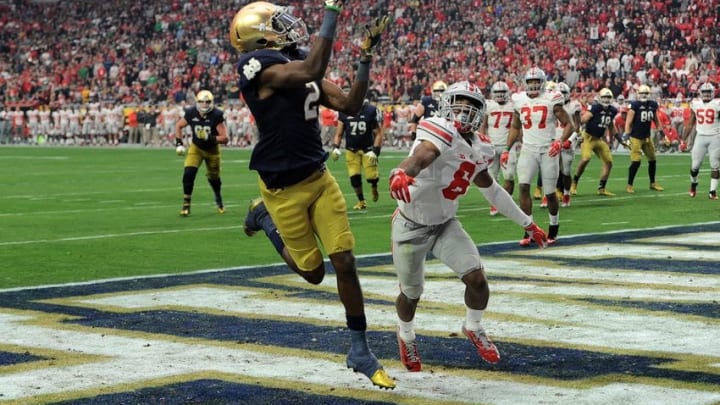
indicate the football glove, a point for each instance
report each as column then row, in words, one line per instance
column 567, row 144
column 537, row 234
column 180, row 150
column 400, row 184
column 334, row 5
column 504, row 157
column 335, row 154
column 372, row 158
column 555, row 147
column 373, row 33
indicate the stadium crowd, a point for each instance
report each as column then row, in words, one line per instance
column 60, row 54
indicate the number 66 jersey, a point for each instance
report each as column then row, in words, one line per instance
column 437, row 188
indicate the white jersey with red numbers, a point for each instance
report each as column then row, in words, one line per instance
column 499, row 117
column 434, row 196
column 537, row 118
column 572, row 107
column 707, row 120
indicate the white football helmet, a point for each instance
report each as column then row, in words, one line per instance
column 467, row 117
column 643, row 93
column 205, row 101
column 261, row 25
column 563, row 88
column 707, row 92
column 500, row 92
column 605, row 96
column 534, row 81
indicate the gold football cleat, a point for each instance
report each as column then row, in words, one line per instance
column 602, row 191
column 630, row 189
column 656, row 187
column 361, row 205
column 382, row 380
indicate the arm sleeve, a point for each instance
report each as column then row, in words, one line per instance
column 500, row 198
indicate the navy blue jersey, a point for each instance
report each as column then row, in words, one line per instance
column 644, row 116
column 602, row 118
column 289, row 143
column 359, row 129
column 204, row 127
column 430, row 104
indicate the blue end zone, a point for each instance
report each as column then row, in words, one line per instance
column 208, row 392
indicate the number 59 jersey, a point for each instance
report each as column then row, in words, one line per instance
column 437, row 188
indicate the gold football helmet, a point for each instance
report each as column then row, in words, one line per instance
column 205, row 101
column 438, row 88
column 643, row 93
column 605, row 96
column 263, row 25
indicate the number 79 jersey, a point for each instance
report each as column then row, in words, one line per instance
column 437, row 188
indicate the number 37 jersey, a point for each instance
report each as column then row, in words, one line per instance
column 437, row 188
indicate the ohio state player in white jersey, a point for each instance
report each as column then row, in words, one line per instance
column 535, row 118
column 446, row 158
column 567, row 156
column 705, row 118
column 496, row 126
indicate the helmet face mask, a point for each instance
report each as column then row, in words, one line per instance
column 707, row 92
column 464, row 105
column 500, row 92
column 262, row 25
column 534, row 82
column 643, row 93
column 205, row 101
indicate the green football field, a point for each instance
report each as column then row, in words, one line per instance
column 79, row 214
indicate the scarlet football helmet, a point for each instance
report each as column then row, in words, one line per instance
column 534, row 82
column 605, row 96
column 261, row 25
column 643, row 93
column 500, row 92
column 205, row 101
column 563, row 88
column 467, row 117
column 707, row 92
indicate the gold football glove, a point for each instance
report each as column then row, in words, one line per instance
column 373, row 33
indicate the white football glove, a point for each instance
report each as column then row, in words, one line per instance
column 180, row 150
column 371, row 157
column 335, row 154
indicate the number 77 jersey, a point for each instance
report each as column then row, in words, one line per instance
column 438, row 187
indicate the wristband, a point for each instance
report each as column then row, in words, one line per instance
column 335, row 145
column 329, row 24
column 376, row 149
column 178, row 142
column 363, row 72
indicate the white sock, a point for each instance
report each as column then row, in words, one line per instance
column 406, row 330
column 473, row 318
column 554, row 219
column 713, row 184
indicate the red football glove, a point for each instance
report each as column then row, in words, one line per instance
column 567, row 144
column 555, row 147
column 537, row 234
column 400, row 185
column 484, row 138
column 504, row 157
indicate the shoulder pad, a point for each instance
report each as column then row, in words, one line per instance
column 253, row 63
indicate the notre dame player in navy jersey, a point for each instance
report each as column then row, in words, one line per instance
column 283, row 88
column 428, row 106
column 642, row 113
column 207, row 125
column 598, row 119
column 363, row 140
